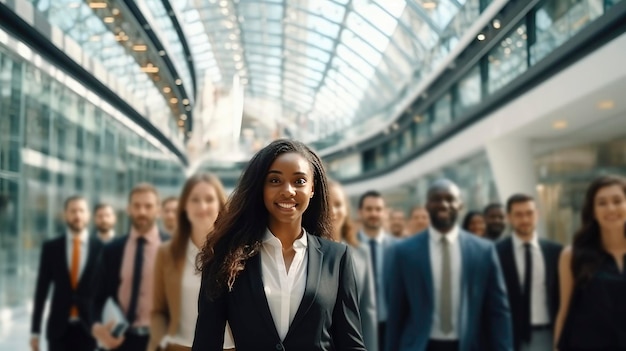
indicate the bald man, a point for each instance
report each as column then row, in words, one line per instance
column 446, row 290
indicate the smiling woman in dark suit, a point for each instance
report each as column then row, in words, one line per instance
column 269, row 268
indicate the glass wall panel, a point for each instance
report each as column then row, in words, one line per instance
column 55, row 143
column 508, row 59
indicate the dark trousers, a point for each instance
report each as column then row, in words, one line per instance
column 75, row 338
column 134, row 343
column 442, row 345
column 382, row 329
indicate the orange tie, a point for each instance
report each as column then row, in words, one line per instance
column 74, row 272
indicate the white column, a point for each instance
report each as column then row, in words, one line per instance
column 512, row 164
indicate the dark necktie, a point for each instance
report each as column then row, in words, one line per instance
column 131, row 314
column 374, row 259
column 526, row 291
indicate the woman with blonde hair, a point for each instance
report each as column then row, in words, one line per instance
column 344, row 231
column 176, row 281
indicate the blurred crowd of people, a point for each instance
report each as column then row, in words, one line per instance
column 280, row 264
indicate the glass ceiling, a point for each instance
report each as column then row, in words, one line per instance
column 329, row 64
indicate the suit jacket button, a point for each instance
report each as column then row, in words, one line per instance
column 279, row 346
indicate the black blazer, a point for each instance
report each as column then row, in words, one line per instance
column 327, row 319
column 53, row 269
column 109, row 268
column 551, row 252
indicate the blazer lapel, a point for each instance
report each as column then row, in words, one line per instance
column 257, row 292
column 314, row 270
column 423, row 264
column 509, row 268
column 467, row 273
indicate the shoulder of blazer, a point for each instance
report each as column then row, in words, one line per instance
column 504, row 244
column 328, row 247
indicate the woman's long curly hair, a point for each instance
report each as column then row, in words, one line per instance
column 240, row 227
column 588, row 252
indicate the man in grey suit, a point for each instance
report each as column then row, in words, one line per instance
column 374, row 238
column 446, row 291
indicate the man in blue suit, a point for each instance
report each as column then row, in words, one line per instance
column 446, row 290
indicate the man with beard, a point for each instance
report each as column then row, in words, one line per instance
column 68, row 263
column 371, row 214
column 104, row 219
column 127, row 272
column 530, row 267
column 495, row 219
column 446, row 291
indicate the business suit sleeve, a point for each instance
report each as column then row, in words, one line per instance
column 101, row 284
column 498, row 326
column 44, row 279
column 397, row 305
column 159, row 316
column 367, row 307
column 212, row 315
column 346, row 326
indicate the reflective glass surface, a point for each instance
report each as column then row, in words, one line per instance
column 57, row 140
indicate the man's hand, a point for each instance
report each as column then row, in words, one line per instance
column 102, row 333
column 34, row 343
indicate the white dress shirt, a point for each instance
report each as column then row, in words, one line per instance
column 539, row 315
column 455, row 265
column 84, row 250
column 190, row 289
column 283, row 289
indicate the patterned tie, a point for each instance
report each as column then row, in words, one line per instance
column 74, row 272
column 445, row 307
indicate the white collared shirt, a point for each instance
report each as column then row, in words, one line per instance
column 539, row 293
column 84, row 250
column 283, row 290
column 435, row 263
column 381, row 306
column 190, row 289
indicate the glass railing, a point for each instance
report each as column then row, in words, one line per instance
column 77, row 20
column 555, row 23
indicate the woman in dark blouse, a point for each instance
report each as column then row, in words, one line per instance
column 592, row 315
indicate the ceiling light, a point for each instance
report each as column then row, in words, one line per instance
column 395, row 126
column 223, row 3
column 225, row 11
column 178, row 81
column 185, row 101
column 232, row 36
column 239, row 65
column 183, row 117
column 429, row 5
column 496, row 24
column 181, row 123
column 174, row 100
column 167, row 89
column 161, row 52
column 237, row 57
column 560, row 124
column 228, row 24
column 98, row 5
column 109, row 19
column 115, row 11
column 74, row 5
column 418, row 119
column 150, row 68
column 187, row 108
column 481, row 37
column 606, row 105
column 140, row 47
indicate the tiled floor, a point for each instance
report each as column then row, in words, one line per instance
column 15, row 331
